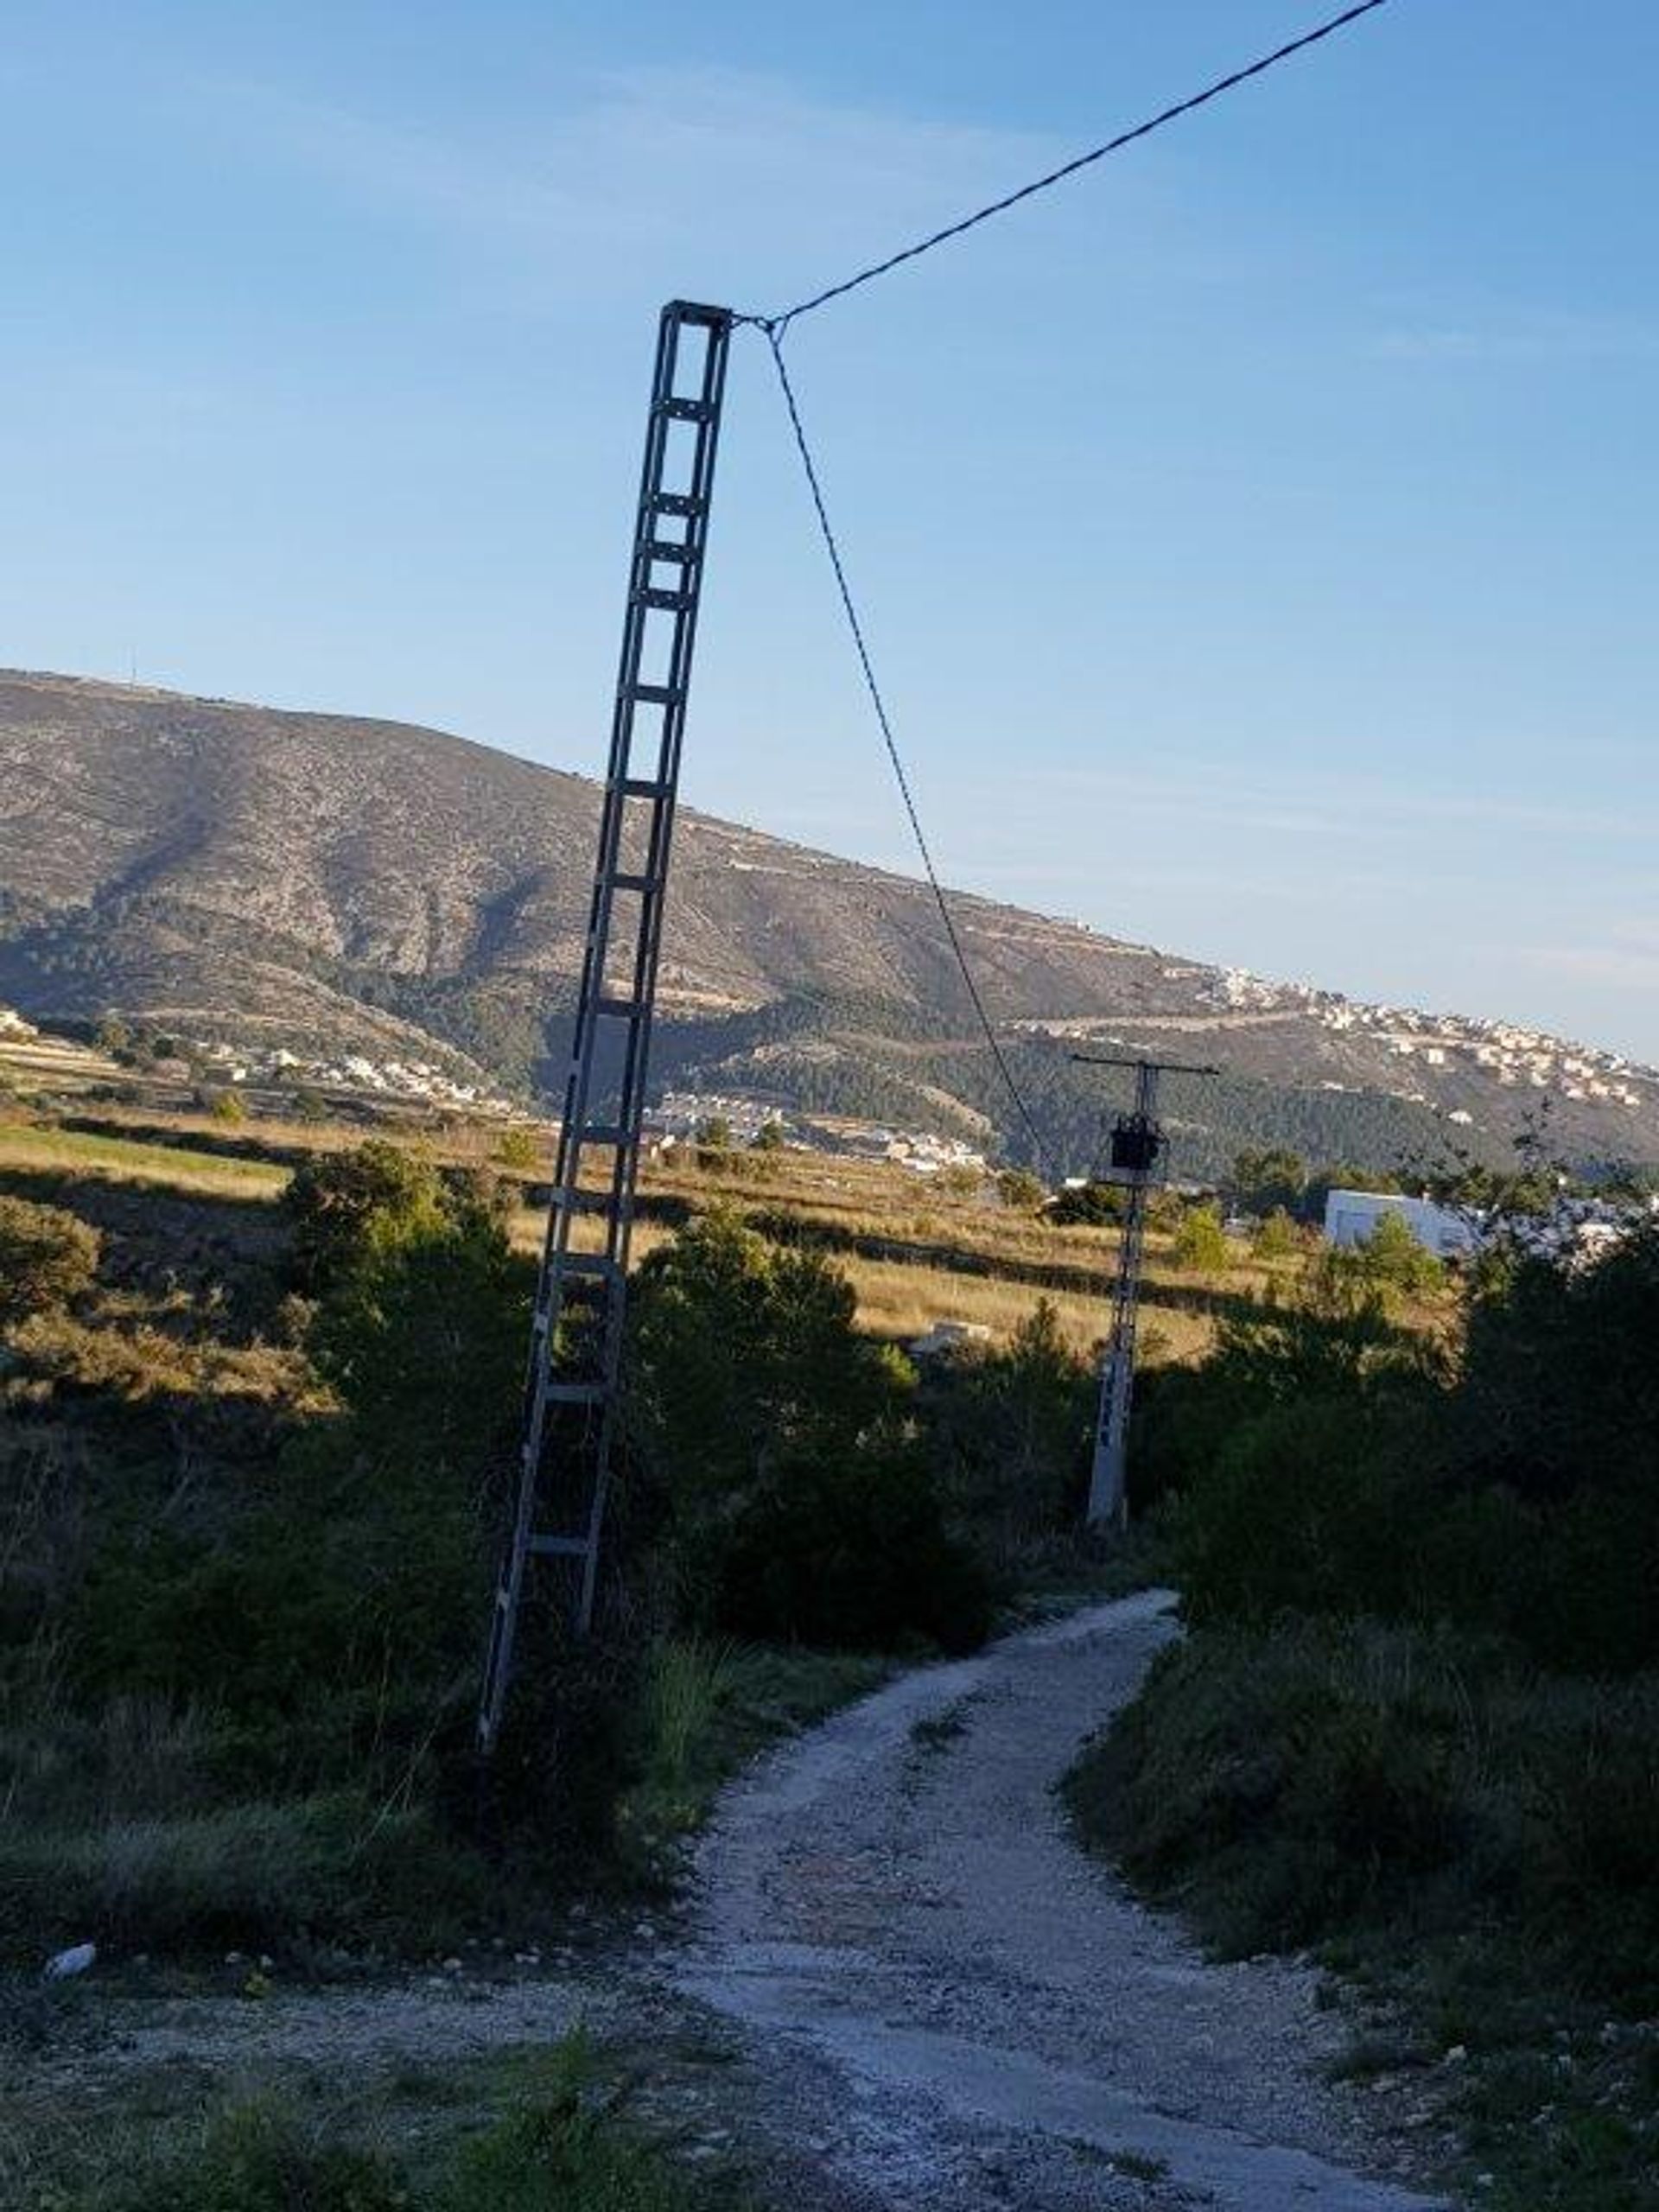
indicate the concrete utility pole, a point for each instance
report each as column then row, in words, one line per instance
column 1139, row 1147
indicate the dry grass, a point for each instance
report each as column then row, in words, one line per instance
column 133, row 1360
column 30, row 1146
column 899, row 1300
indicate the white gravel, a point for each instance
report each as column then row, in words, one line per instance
column 960, row 2009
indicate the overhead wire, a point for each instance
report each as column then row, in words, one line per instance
column 775, row 327
column 1229, row 83
column 884, row 722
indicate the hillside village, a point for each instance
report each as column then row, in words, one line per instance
column 1433, row 1048
column 1509, row 1050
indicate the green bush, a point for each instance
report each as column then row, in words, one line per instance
column 48, row 1258
column 1200, row 1244
column 793, row 1500
column 1316, row 1505
column 1334, row 1777
column 1009, row 1434
column 852, row 1557
column 347, row 1207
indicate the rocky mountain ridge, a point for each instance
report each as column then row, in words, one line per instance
column 358, row 886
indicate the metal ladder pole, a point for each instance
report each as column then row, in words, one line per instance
column 569, row 1421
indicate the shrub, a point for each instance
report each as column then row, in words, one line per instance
column 852, row 1557
column 1010, row 1434
column 1277, row 1238
column 348, row 1207
column 519, row 1149
column 1020, row 1190
column 1344, row 1776
column 1396, row 1260
column 1201, row 1243
column 48, row 1258
column 1313, row 1506
column 1095, row 1205
column 795, row 1505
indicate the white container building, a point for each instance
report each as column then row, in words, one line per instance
column 1350, row 1215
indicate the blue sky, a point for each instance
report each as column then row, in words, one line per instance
column 1256, row 535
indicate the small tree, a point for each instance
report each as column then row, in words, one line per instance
column 1267, row 1181
column 229, row 1107
column 1095, row 1205
column 48, row 1259
column 1278, row 1238
column 1020, row 1190
column 1201, row 1245
column 715, row 1134
column 962, row 1182
column 769, row 1137
column 518, row 1150
column 1396, row 1260
column 351, row 1206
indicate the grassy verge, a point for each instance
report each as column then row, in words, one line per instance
column 1468, row 1838
column 531, row 2129
column 706, row 1710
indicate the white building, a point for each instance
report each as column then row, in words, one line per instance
column 1350, row 1215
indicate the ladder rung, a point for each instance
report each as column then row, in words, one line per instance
column 687, row 410
column 677, row 503
column 670, row 602
column 672, row 548
column 643, row 787
column 599, row 1264
column 560, row 1547
column 645, row 884
column 604, row 1133
column 655, row 695
column 619, row 1009
column 571, row 1201
column 573, row 1394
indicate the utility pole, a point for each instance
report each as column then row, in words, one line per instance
column 1139, row 1147
column 571, row 1415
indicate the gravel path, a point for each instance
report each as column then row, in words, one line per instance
column 963, row 2010
column 902, row 1989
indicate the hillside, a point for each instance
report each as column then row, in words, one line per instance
column 327, row 883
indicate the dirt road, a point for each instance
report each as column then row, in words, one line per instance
column 970, row 2012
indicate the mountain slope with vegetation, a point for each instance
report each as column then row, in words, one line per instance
column 235, row 872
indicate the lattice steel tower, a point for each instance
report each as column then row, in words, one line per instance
column 570, row 1398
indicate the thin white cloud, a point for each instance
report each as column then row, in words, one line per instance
column 642, row 161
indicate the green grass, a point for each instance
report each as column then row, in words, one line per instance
column 25, row 1146
column 532, row 2130
column 263, row 1875
column 707, row 1710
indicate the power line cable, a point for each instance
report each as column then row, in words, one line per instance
column 775, row 341
column 1230, row 82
